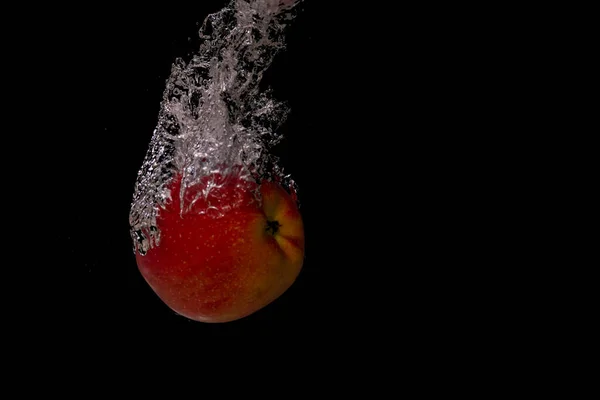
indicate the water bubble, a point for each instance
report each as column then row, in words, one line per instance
column 213, row 118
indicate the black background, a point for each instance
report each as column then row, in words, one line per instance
column 404, row 123
column 367, row 142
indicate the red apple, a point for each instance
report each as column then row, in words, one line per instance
column 213, row 268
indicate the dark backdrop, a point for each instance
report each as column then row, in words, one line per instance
column 402, row 125
column 372, row 110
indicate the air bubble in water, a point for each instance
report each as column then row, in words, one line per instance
column 213, row 117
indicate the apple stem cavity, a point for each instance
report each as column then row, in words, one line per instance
column 273, row 227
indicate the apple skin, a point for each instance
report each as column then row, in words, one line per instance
column 220, row 269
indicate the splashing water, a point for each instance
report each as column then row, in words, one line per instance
column 213, row 118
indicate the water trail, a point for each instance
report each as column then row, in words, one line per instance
column 213, row 117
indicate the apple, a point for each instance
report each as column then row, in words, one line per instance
column 220, row 267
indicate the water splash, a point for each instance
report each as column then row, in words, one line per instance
column 213, row 117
